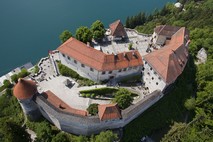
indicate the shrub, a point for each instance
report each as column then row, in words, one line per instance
column 93, row 95
column 14, row 78
column 93, row 109
column 100, row 91
column 88, row 95
column 83, row 95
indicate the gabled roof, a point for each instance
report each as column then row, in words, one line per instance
column 24, row 89
column 98, row 60
column 117, row 29
column 166, row 30
column 109, row 112
column 170, row 60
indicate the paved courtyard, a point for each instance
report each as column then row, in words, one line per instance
column 139, row 42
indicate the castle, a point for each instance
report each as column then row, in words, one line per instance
column 162, row 61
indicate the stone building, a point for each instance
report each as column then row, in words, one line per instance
column 163, row 66
column 96, row 65
column 24, row 91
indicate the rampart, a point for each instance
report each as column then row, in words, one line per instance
column 87, row 125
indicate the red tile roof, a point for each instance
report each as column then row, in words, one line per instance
column 58, row 103
column 24, row 89
column 170, row 60
column 166, row 30
column 109, row 112
column 97, row 59
column 117, row 29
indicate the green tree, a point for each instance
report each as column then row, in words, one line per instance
column 60, row 137
column 98, row 30
column 14, row 78
column 93, row 109
column 84, row 34
column 43, row 131
column 65, row 35
column 107, row 136
column 123, row 98
column 190, row 104
column 7, row 83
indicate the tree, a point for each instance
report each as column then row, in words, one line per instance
column 190, row 104
column 123, row 98
column 107, row 136
column 93, row 109
column 43, row 131
column 65, row 35
column 97, row 29
column 84, row 34
column 7, row 83
column 60, row 137
column 14, row 78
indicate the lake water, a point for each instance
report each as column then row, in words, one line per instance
column 29, row 28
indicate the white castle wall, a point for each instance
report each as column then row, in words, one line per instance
column 151, row 79
column 93, row 74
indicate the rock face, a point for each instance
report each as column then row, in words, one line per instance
column 202, row 56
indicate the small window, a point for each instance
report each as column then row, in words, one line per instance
column 150, row 68
column 143, row 69
column 68, row 58
column 155, row 72
column 130, row 68
column 152, row 78
column 110, row 72
column 156, row 83
column 145, row 62
column 119, row 70
column 63, row 55
column 148, row 73
column 159, row 78
column 91, row 69
column 103, row 72
column 75, row 61
column 82, row 65
column 124, row 69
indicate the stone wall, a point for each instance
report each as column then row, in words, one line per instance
column 87, row 125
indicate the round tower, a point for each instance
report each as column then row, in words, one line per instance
column 24, row 91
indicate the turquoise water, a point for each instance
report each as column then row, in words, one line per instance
column 29, row 28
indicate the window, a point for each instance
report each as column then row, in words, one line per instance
column 110, row 72
column 82, row 65
column 150, row 68
column 143, row 69
column 156, row 83
column 124, row 69
column 148, row 73
column 75, row 61
column 91, row 69
column 68, row 58
column 63, row 55
column 159, row 78
column 152, row 78
column 119, row 70
column 155, row 72
column 145, row 62
column 130, row 68
column 103, row 72
column 135, row 68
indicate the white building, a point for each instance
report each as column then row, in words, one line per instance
column 163, row 66
column 96, row 65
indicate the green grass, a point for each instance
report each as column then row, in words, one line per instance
column 162, row 114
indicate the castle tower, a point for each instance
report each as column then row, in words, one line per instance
column 24, row 91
